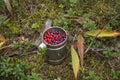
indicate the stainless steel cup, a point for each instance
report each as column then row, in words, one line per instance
column 55, row 54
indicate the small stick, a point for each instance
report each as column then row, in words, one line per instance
column 5, row 47
column 28, row 53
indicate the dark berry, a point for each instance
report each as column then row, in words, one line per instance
column 54, row 37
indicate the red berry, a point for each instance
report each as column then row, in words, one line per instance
column 54, row 37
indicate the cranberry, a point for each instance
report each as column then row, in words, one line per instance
column 54, row 37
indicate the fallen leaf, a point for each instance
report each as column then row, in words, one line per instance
column 7, row 3
column 75, row 62
column 73, row 44
column 80, row 45
column 103, row 33
column 2, row 40
column 1, row 43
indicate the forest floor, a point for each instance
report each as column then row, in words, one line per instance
column 21, row 60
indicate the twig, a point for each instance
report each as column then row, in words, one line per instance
column 100, row 32
column 5, row 47
column 28, row 53
column 97, row 49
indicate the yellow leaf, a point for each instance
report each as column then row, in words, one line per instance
column 1, row 43
column 75, row 62
column 103, row 33
column 80, row 45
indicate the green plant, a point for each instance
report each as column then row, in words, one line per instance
column 26, row 26
column 111, row 11
column 25, row 45
column 115, row 24
column 87, row 38
column 15, row 70
column 7, row 68
column 117, row 6
column 33, row 76
column 61, row 21
column 10, row 24
column 89, row 25
column 61, row 6
column 71, row 12
column 70, row 3
column 14, row 4
column 16, row 44
column 2, row 20
column 41, row 51
column 35, row 26
column 91, row 76
column 73, row 1
column 115, row 74
column 108, row 53
column 108, row 27
column 2, row 6
column 89, row 14
column 57, row 78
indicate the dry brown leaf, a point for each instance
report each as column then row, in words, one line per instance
column 7, row 3
column 73, row 44
column 2, row 40
column 80, row 45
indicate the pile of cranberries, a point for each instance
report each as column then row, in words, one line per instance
column 54, row 36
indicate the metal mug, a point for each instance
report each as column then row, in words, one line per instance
column 55, row 54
